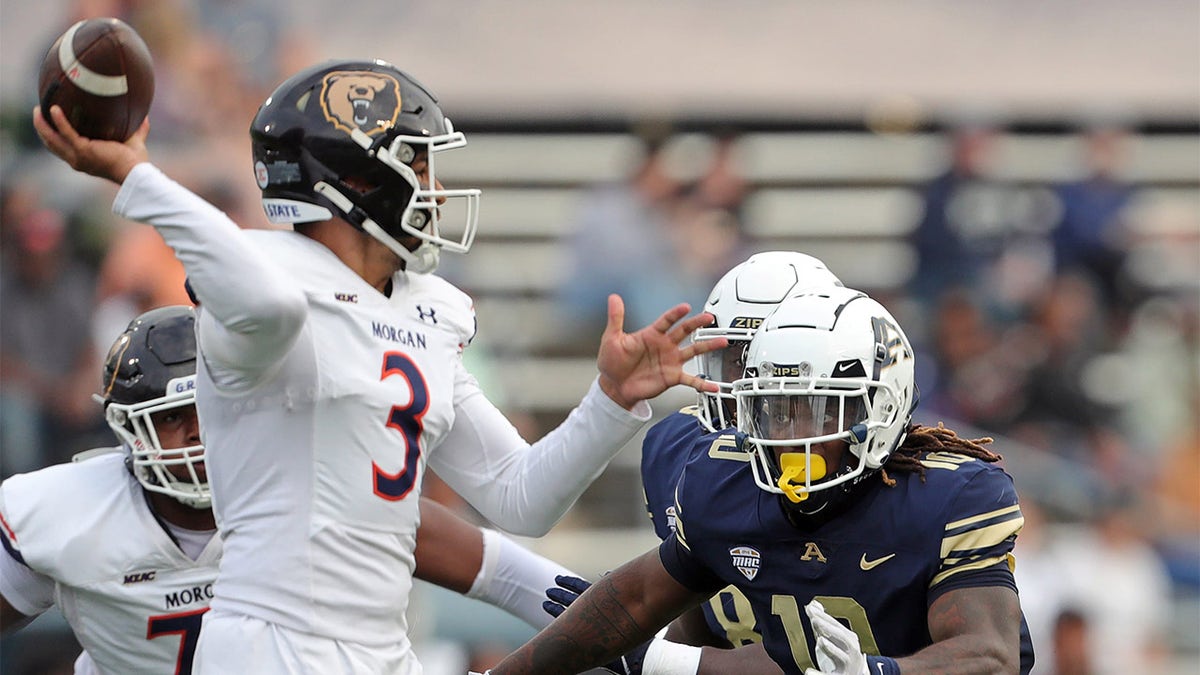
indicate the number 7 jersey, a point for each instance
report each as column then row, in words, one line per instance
column 133, row 599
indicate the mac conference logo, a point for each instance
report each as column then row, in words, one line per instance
column 747, row 561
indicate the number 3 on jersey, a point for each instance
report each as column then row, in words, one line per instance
column 406, row 420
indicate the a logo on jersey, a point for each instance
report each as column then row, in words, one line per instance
column 872, row 564
column 400, row 336
column 746, row 560
column 360, row 100
column 346, row 297
column 812, row 552
column 188, row 596
column 671, row 520
column 430, row 316
column 139, row 577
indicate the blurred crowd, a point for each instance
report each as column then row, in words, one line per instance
column 1032, row 321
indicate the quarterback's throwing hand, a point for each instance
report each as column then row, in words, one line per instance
column 637, row 366
column 838, row 652
column 106, row 159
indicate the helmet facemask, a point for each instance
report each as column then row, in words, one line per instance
column 723, row 366
column 785, row 419
column 151, row 462
column 382, row 211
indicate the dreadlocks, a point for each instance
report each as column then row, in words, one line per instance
column 922, row 439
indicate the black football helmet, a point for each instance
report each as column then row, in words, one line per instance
column 150, row 368
column 367, row 121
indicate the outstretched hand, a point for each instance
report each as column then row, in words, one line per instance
column 106, row 159
column 637, row 366
column 567, row 592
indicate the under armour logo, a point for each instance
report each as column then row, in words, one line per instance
column 427, row 316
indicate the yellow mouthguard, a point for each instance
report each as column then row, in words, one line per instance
column 793, row 478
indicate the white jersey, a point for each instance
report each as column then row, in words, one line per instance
column 132, row 597
column 321, row 401
column 315, row 469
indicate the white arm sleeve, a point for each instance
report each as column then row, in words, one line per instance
column 258, row 311
column 29, row 592
column 521, row 488
column 515, row 579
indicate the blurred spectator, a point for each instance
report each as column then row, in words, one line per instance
column 1091, row 236
column 1115, row 579
column 47, row 360
column 979, row 369
column 723, row 185
column 978, row 231
column 1059, row 413
column 1072, row 644
column 621, row 243
column 1104, row 570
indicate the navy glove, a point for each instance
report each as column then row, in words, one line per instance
column 568, row 590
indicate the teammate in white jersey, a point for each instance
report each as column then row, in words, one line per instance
column 123, row 537
column 331, row 371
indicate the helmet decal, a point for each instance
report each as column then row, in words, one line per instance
column 115, row 355
column 360, row 100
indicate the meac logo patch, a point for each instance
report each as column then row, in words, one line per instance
column 747, row 561
column 360, row 100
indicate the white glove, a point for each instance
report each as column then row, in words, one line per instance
column 838, row 652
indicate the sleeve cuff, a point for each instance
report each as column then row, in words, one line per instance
column 137, row 175
column 633, row 418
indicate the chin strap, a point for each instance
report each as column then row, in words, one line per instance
column 422, row 261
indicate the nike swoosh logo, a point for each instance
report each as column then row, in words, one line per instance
column 872, row 564
column 843, row 367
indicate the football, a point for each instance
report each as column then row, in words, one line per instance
column 100, row 72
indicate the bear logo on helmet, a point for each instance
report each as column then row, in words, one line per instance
column 359, row 100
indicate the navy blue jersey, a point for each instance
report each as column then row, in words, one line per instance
column 878, row 566
column 665, row 451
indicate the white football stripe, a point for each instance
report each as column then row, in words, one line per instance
column 92, row 82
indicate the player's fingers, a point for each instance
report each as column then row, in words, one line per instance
column 689, row 326
column 142, row 132
column 616, row 315
column 63, row 126
column 553, row 608
column 838, row 635
column 573, row 583
column 814, row 609
column 703, row 347
column 826, row 659
column 663, row 323
column 561, row 596
column 699, row 383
